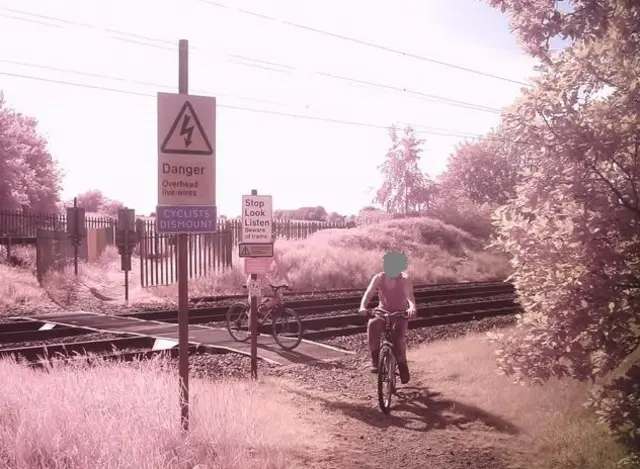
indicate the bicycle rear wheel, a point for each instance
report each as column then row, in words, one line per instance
column 238, row 322
column 386, row 378
column 287, row 328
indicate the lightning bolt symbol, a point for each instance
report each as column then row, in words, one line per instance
column 186, row 129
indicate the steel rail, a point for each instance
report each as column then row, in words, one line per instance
column 423, row 286
column 314, row 329
column 323, row 305
column 26, row 331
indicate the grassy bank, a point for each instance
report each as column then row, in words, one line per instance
column 437, row 252
column 118, row 416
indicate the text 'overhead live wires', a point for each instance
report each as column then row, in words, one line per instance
column 169, row 45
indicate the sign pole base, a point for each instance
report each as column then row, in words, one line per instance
column 183, row 329
column 254, row 333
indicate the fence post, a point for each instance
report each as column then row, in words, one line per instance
column 141, row 234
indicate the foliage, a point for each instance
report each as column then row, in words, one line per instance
column 618, row 405
column 95, row 201
column 459, row 211
column 484, row 171
column 404, row 189
column 335, row 217
column 29, row 176
column 573, row 230
column 369, row 215
column 480, row 176
column 318, row 213
column 347, row 258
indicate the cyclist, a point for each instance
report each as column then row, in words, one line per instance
column 395, row 293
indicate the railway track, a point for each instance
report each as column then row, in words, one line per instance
column 126, row 349
column 487, row 300
column 326, row 305
column 443, row 287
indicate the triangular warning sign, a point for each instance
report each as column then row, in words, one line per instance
column 245, row 251
column 186, row 135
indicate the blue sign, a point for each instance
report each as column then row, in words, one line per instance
column 186, row 218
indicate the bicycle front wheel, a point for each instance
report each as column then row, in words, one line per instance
column 238, row 322
column 386, row 378
column 287, row 328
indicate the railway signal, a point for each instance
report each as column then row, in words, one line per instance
column 126, row 241
column 76, row 230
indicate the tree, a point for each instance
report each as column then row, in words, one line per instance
column 110, row 207
column 318, row 213
column 484, row 170
column 404, row 189
column 573, row 230
column 368, row 215
column 29, row 176
column 334, row 217
column 91, row 200
column 95, row 201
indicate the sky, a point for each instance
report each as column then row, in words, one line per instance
column 256, row 68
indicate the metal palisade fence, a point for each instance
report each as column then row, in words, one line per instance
column 22, row 223
column 208, row 253
column 157, row 253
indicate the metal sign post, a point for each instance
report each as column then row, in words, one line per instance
column 183, row 282
column 254, row 316
column 256, row 243
column 186, row 189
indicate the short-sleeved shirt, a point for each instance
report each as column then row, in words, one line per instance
column 393, row 298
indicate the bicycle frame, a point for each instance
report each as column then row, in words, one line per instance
column 387, row 316
column 272, row 307
column 267, row 311
column 387, row 354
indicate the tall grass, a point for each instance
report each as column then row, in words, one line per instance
column 340, row 258
column 119, row 416
column 437, row 253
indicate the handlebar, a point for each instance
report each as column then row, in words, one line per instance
column 273, row 286
column 388, row 314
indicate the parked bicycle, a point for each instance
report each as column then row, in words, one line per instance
column 387, row 364
column 285, row 322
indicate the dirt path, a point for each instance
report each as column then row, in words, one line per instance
column 455, row 413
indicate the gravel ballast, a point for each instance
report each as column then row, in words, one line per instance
column 89, row 337
column 336, row 373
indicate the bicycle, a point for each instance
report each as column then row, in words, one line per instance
column 275, row 312
column 387, row 363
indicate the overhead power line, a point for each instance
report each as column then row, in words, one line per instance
column 164, row 44
column 433, row 131
column 136, row 82
column 361, row 42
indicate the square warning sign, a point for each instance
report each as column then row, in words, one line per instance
column 186, row 149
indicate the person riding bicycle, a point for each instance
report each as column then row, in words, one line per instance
column 395, row 293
